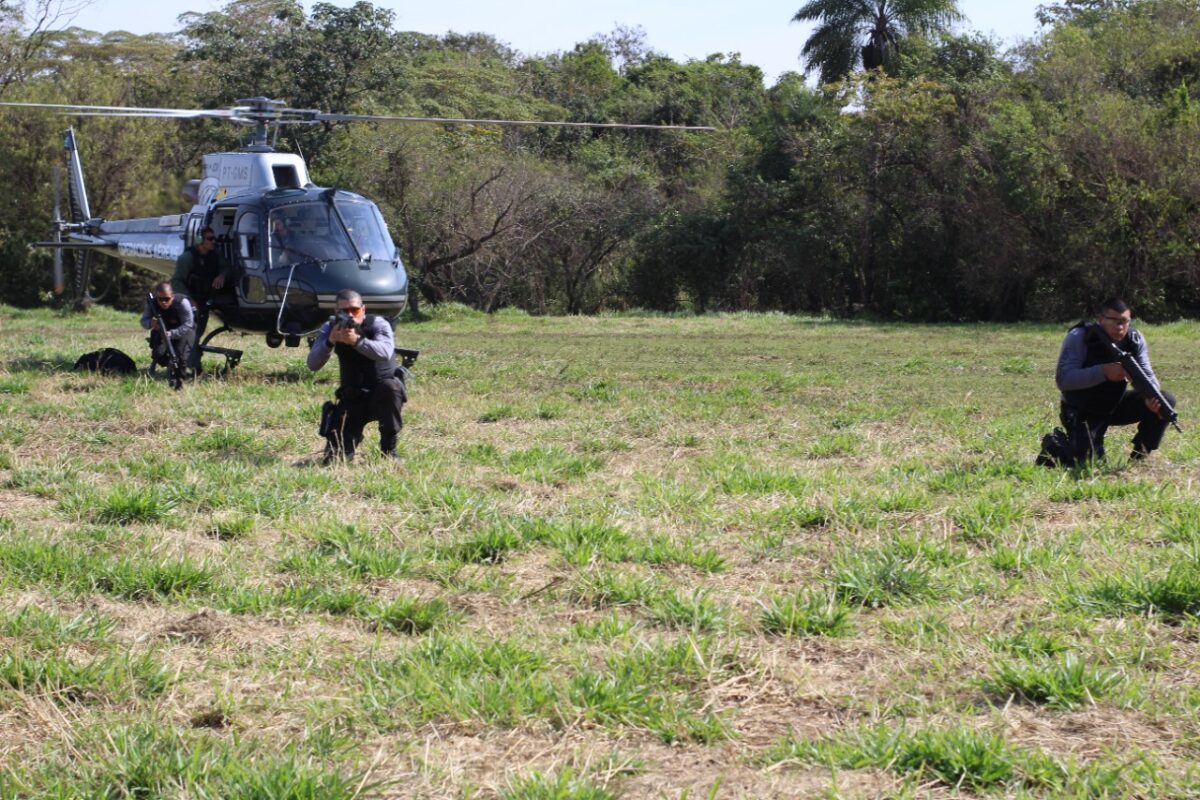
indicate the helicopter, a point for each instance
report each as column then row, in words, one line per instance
column 292, row 245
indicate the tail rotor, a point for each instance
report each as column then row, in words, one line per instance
column 60, row 284
column 77, row 202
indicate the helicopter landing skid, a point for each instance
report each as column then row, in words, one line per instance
column 232, row 357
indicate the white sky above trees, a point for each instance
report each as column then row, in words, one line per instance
column 760, row 30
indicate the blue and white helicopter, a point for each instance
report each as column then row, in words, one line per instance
column 292, row 245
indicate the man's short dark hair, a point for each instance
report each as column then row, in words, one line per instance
column 207, row 229
column 163, row 286
column 350, row 296
column 1114, row 304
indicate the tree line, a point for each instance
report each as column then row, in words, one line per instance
column 929, row 176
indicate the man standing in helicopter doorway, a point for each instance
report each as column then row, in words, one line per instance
column 368, row 389
column 200, row 275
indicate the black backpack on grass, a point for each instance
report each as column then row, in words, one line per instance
column 109, row 361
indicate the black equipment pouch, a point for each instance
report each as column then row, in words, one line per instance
column 328, row 410
column 1056, row 450
column 353, row 394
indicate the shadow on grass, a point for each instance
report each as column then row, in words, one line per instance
column 53, row 364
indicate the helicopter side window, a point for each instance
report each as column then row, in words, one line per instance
column 247, row 244
column 282, row 237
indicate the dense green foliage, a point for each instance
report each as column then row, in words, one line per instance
column 960, row 183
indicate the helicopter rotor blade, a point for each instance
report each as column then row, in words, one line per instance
column 127, row 110
column 262, row 111
column 156, row 115
column 324, row 117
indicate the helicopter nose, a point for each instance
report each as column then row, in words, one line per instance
column 384, row 289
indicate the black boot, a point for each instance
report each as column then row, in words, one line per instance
column 387, row 445
column 335, row 454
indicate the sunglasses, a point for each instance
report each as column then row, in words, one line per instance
column 352, row 309
column 210, row 238
column 165, row 299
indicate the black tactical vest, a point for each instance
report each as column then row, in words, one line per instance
column 1102, row 399
column 171, row 317
column 356, row 371
column 204, row 271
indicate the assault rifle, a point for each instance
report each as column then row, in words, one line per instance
column 1138, row 377
column 174, row 362
column 343, row 320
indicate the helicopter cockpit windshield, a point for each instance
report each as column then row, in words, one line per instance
column 308, row 231
column 366, row 227
column 350, row 229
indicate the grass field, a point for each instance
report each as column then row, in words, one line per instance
column 746, row 556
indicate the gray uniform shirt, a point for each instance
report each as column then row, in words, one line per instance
column 187, row 320
column 376, row 343
column 1071, row 374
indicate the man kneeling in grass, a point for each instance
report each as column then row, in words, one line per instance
column 1096, row 391
column 368, row 387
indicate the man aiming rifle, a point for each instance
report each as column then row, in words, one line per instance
column 1096, row 364
column 368, row 386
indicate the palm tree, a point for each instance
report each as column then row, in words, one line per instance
column 834, row 47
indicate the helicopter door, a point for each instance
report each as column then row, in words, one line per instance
column 248, row 253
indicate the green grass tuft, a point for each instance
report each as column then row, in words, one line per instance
column 1064, row 683
column 695, row 612
column 43, row 629
column 128, row 505
column 563, row 785
column 358, row 553
column 490, row 546
column 882, row 578
column 806, row 614
column 110, row 678
column 151, row 760
column 1175, row 595
column 407, row 616
column 953, row 757
column 497, row 413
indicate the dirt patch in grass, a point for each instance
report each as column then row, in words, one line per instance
column 1091, row 733
column 195, row 628
column 632, row 767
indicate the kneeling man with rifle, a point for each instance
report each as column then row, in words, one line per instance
column 171, row 347
column 1098, row 362
column 368, row 389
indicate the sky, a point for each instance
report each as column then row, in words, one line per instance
column 760, row 30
